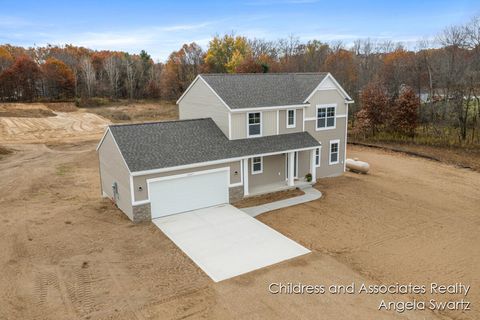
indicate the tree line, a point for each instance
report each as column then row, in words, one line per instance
column 435, row 86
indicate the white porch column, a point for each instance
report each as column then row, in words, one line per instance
column 290, row 170
column 245, row 177
column 313, row 167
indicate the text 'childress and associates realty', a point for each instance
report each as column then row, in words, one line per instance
column 457, row 289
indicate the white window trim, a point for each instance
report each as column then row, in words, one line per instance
column 290, row 126
column 317, row 165
column 334, row 118
column 337, row 141
column 248, row 125
column 261, row 165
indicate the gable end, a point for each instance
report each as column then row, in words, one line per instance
column 329, row 83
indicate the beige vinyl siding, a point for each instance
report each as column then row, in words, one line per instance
column 269, row 123
column 304, row 158
column 325, row 97
column 113, row 169
column 201, row 102
column 282, row 122
column 239, row 124
column 273, row 171
column 141, row 181
column 325, row 136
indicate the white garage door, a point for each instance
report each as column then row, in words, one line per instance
column 175, row 194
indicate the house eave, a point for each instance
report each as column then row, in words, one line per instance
column 292, row 106
column 213, row 162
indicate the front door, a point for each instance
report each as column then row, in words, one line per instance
column 295, row 165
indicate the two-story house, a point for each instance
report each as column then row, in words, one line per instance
column 238, row 135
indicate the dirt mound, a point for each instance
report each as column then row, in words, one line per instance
column 138, row 112
column 65, row 127
column 4, row 151
column 62, row 106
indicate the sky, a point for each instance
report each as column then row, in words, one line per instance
column 160, row 27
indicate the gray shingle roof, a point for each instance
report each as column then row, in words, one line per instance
column 174, row 143
column 253, row 90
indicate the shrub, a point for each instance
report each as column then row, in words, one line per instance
column 91, row 102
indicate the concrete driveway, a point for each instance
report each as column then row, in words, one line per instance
column 226, row 242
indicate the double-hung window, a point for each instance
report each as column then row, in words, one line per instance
column 317, row 157
column 257, row 165
column 254, row 124
column 326, row 116
column 291, row 118
column 334, row 152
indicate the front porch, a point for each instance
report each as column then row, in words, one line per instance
column 277, row 186
column 278, row 172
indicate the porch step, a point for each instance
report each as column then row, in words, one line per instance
column 303, row 185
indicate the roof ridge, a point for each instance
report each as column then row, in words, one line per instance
column 260, row 73
column 155, row 122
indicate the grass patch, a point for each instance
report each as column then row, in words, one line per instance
column 424, row 135
column 27, row 113
column 92, row 102
column 112, row 114
column 127, row 111
column 62, row 170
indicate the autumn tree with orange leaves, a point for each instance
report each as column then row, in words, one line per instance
column 443, row 82
column 180, row 70
column 404, row 114
column 22, row 79
column 343, row 67
column 58, row 79
column 373, row 113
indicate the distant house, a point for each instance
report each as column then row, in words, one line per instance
column 238, row 135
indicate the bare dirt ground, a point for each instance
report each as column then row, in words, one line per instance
column 43, row 125
column 466, row 157
column 65, row 253
column 63, row 122
column 137, row 111
column 267, row 198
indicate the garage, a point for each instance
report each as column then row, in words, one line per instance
column 195, row 190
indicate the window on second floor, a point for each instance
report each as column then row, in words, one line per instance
column 254, row 124
column 291, row 118
column 325, row 117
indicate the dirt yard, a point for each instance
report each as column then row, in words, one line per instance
column 65, row 253
column 36, row 123
column 466, row 157
column 137, row 112
column 274, row 196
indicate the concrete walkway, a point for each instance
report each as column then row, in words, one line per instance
column 226, row 242
column 310, row 195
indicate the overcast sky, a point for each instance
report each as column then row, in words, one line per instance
column 160, row 28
